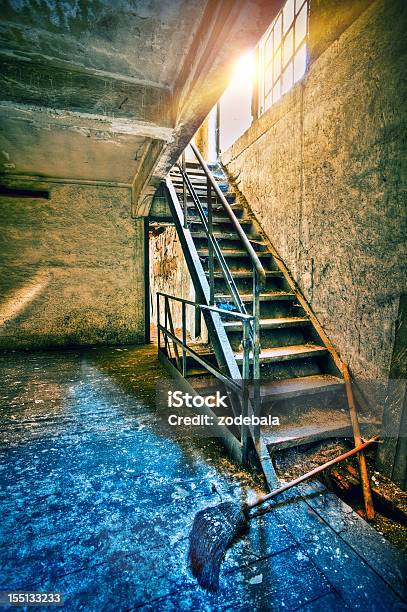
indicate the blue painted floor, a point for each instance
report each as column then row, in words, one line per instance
column 97, row 502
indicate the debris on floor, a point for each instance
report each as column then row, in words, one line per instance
column 390, row 501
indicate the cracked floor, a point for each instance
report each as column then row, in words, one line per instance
column 97, row 502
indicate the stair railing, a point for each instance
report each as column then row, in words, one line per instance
column 241, row 387
column 259, row 274
column 213, row 247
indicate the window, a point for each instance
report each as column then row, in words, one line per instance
column 283, row 53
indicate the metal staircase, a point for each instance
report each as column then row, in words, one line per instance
column 266, row 346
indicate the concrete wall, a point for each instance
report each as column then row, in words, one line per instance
column 324, row 170
column 169, row 274
column 71, row 269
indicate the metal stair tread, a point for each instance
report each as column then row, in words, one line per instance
column 218, row 234
column 246, row 273
column 313, row 425
column 299, row 386
column 285, row 353
column 234, row 253
column 270, row 323
column 215, row 220
column 264, row 296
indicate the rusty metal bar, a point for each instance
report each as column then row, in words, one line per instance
column 358, row 449
column 364, row 476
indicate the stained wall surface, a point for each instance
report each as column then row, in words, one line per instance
column 324, row 171
column 71, row 269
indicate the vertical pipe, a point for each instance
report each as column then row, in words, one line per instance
column 166, row 325
column 256, row 350
column 210, row 246
column 184, row 192
column 158, row 321
column 147, row 305
column 217, row 130
column 245, row 375
column 184, row 340
column 198, row 320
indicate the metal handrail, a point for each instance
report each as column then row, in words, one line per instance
column 242, row 385
column 214, row 250
column 230, row 313
column 214, row 245
column 245, row 241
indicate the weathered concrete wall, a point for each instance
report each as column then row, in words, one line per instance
column 71, row 269
column 324, row 170
column 169, row 273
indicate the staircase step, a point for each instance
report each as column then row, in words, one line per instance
column 270, row 323
column 218, row 234
column 286, row 353
column 192, row 372
column 313, row 425
column 201, row 190
column 248, row 274
column 298, row 387
column 233, row 253
column 264, row 297
column 221, row 220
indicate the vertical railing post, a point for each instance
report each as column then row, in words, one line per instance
column 184, row 340
column 198, row 321
column 244, row 436
column 166, row 345
column 256, row 350
column 158, row 321
column 210, row 245
column 184, row 192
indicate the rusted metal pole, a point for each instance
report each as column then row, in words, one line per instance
column 310, row 474
column 364, row 476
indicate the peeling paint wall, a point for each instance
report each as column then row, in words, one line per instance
column 324, row 170
column 71, row 269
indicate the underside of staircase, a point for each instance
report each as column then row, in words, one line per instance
column 300, row 376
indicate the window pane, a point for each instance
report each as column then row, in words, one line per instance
column 298, row 5
column 277, row 64
column 277, row 91
column 300, row 62
column 287, row 78
column 288, row 47
column 268, row 79
column 288, row 14
column 268, row 49
column 277, row 32
column 301, row 26
column 268, row 101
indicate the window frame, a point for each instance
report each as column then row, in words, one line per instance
column 267, row 61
